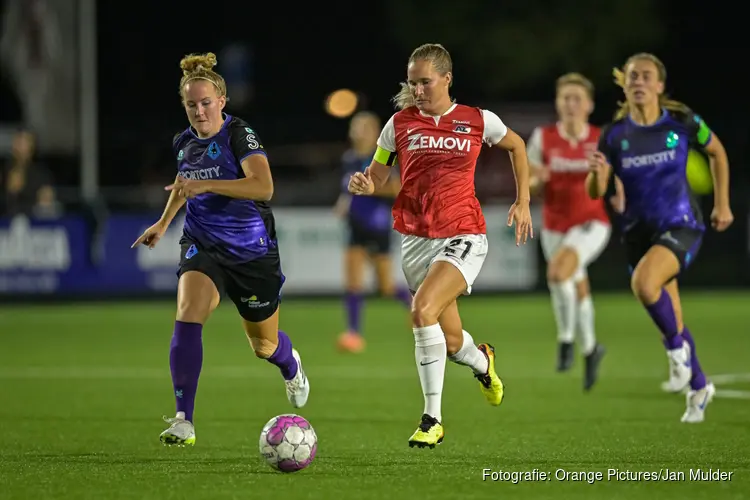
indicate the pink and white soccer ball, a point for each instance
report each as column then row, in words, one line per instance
column 288, row 443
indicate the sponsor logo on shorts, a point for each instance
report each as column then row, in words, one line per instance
column 668, row 237
column 253, row 302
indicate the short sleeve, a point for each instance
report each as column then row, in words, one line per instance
column 387, row 139
column 176, row 144
column 698, row 132
column 494, row 128
column 534, row 147
column 244, row 141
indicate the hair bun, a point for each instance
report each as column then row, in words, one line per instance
column 193, row 63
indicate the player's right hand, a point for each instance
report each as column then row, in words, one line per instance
column 360, row 183
column 151, row 236
column 598, row 164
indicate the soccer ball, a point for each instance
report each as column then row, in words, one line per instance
column 288, row 443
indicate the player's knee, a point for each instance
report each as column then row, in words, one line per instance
column 193, row 310
column 424, row 312
column 263, row 348
column 583, row 289
column 553, row 274
column 644, row 289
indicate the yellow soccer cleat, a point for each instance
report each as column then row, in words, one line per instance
column 428, row 434
column 490, row 383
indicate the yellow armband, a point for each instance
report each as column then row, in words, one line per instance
column 385, row 157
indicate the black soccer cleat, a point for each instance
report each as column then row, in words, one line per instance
column 591, row 374
column 564, row 356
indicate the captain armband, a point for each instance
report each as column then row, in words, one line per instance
column 703, row 134
column 385, row 157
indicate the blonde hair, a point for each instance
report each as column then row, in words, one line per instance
column 440, row 59
column 200, row 67
column 664, row 101
column 575, row 79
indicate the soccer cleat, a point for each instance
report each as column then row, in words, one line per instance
column 298, row 389
column 490, row 383
column 680, row 369
column 696, row 404
column 591, row 373
column 351, row 342
column 564, row 356
column 428, row 434
column 180, row 432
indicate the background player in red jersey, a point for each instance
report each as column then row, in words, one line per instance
column 437, row 143
column 576, row 228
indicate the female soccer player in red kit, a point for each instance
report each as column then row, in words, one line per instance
column 437, row 143
column 576, row 228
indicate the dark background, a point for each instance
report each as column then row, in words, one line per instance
column 506, row 57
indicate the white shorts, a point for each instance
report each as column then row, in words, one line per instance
column 466, row 251
column 588, row 240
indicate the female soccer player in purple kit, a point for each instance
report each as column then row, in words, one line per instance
column 646, row 148
column 370, row 229
column 228, row 245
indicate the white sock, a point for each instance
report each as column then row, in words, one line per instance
column 470, row 355
column 564, row 306
column 430, row 356
column 585, row 320
column 180, row 415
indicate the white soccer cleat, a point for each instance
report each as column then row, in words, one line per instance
column 696, row 404
column 180, row 432
column 298, row 389
column 680, row 369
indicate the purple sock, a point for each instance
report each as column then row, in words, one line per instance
column 185, row 362
column 353, row 309
column 698, row 381
column 662, row 313
column 283, row 358
column 404, row 295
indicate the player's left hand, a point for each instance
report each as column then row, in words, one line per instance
column 187, row 188
column 721, row 218
column 521, row 214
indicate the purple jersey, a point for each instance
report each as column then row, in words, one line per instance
column 651, row 163
column 370, row 212
column 234, row 230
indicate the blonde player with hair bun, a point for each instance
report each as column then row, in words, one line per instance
column 229, row 245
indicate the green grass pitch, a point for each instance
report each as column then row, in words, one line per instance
column 83, row 389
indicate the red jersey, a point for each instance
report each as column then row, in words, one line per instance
column 566, row 202
column 437, row 158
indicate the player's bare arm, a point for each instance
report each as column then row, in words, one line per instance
column 519, row 211
column 375, row 177
column 516, row 147
column 598, row 177
column 174, row 204
column 618, row 200
column 538, row 172
column 721, row 216
column 153, row 234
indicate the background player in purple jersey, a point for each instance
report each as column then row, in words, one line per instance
column 228, row 245
column 370, row 229
column 646, row 148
